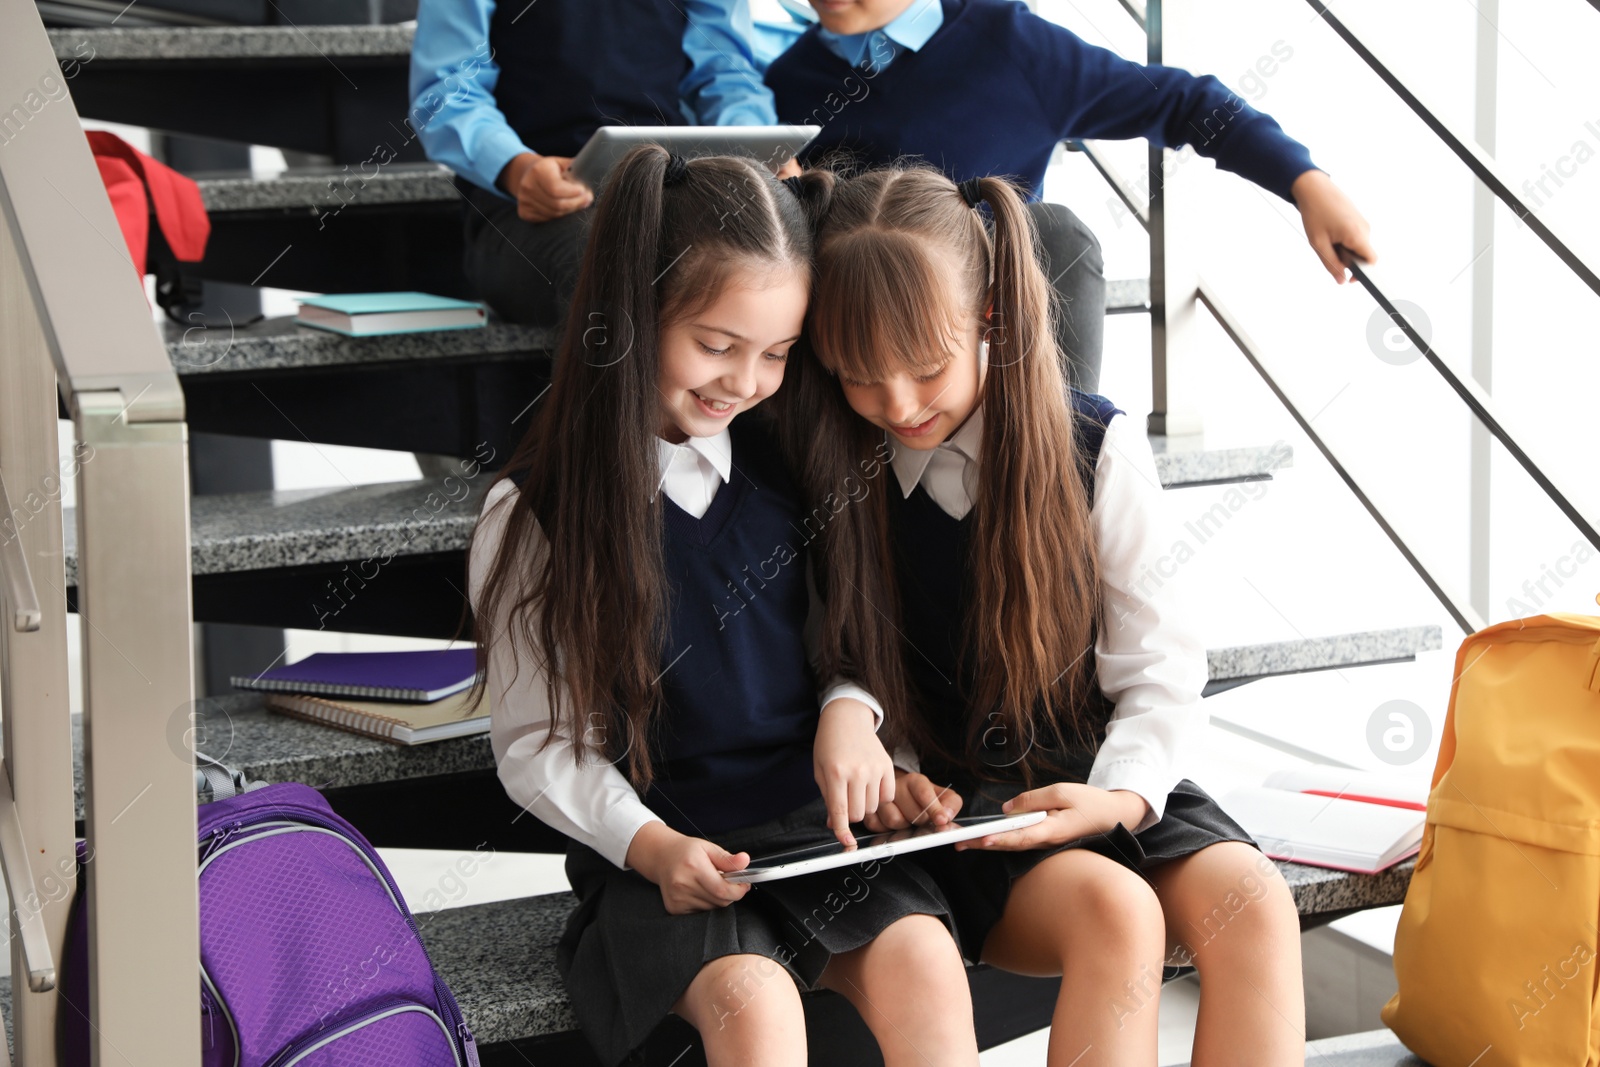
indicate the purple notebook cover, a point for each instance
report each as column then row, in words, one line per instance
column 416, row 677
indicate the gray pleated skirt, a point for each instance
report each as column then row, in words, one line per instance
column 626, row 961
column 977, row 883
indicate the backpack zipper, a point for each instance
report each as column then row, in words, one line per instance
column 305, row 1046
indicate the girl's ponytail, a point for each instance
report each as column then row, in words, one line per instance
column 1032, row 483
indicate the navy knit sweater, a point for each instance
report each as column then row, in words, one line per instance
column 931, row 564
column 996, row 87
column 563, row 72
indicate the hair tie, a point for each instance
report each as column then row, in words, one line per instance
column 971, row 191
column 795, row 185
column 677, row 169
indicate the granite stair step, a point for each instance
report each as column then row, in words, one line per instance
column 338, row 90
column 1375, row 1048
column 1235, row 665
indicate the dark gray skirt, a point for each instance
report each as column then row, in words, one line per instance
column 626, row 961
column 977, row 882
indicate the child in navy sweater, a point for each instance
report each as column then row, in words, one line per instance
column 991, row 594
column 641, row 604
column 986, row 87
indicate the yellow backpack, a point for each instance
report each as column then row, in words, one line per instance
column 1495, row 952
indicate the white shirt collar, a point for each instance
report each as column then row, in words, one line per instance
column 960, row 457
column 718, row 449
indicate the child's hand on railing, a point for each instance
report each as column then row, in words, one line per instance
column 1331, row 219
column 689, row 870
column 852, row 768
column 917, row 802
column 1075, row 810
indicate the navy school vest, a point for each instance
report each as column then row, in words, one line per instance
column 568, row 67
column 931, row 567
column 739, row 713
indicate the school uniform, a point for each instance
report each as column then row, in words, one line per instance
column 733, row 755
column 1150, row 665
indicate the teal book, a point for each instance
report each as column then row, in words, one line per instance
column 371, row 314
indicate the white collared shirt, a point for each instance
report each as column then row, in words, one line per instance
column 1149, row 657
column 593, row 804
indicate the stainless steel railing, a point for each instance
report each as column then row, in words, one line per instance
column 73, row 319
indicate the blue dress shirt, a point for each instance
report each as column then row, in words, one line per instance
column 453, row 78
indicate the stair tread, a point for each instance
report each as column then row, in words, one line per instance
column 234, row 42
column 327, row 189
column 366, row 524
column 1320, row 653
column 280, row 343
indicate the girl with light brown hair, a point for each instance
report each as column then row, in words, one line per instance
column 992, row 591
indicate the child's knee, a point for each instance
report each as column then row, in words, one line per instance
column 921, row 945
column 737, row 991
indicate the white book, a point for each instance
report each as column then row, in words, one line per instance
column 1364, row 836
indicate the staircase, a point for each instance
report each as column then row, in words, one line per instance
column 275, row 558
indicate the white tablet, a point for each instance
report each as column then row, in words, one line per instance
column 832, row 854
column 772, row 145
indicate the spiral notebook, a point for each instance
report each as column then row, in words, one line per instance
column 403, row 724
column 410, row 677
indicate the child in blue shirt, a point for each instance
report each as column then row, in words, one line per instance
column 986, row 87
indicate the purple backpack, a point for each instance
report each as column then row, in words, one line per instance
column 308, row 954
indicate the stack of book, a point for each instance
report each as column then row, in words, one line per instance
column 407, row 698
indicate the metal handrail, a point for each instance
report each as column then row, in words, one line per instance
column 1458, row 607
column 25, row 613
column 18, row 871
column 73, row 299
column 1476, row 400
column 1475, row 158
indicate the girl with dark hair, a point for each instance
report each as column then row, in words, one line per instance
column 641, row 606
column 995, row 597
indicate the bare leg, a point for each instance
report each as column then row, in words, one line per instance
column 1098, row 925
column 910, row 987
column 1230, row 912
column 748, row 1012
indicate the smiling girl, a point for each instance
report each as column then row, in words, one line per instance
column 665, row 735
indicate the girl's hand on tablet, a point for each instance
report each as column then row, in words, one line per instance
column 687, row 869
column 1075, row 810
column 852, row 768
column 917, row 802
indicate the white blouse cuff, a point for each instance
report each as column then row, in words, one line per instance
column 1136, row 777
column 843, row 689
column 618, row 829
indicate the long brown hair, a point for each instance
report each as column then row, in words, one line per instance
column 656, row 254
column 881, row 300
